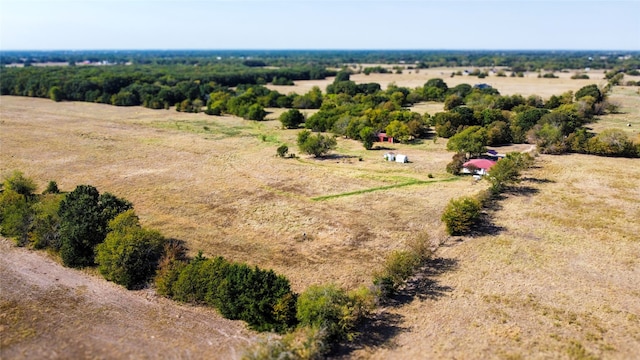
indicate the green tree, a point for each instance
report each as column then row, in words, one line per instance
column 507, row 171
column 472, row 140
column 84, row 216
column 367, row 135
column 291, row 119
column 129, row 255
column 55, row 94
column 461, row 215
column 316, row 145
column 399, row 130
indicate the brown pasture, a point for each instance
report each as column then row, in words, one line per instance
column 557, row 278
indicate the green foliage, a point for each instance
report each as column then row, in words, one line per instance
column 507, row 171
column 84, row 216
column 305, row 343
column 52, row 188
column 129, row 255
column 282, row 151
column 17, row 214
column 316, row 145
column 329, row 308
column 461, row 215
column 45, row 231
column 590, row 90
column 20, row 184
column 367, row 136
column 613, row 142
column 291, row 119
column 260, row 297
column 472, row 140
column 399, row 130
column 455, row 166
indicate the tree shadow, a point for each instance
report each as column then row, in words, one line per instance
column 375, row 332
column 538, row 181
column 379, row 329
column 381, row 147
column 521, row 190
column 335, row 157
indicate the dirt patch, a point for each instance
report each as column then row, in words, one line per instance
column 48, row 311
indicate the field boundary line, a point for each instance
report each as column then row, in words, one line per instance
column 380, row 188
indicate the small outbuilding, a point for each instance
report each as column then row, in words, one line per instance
column 477, row 166
column 382, row 137
column 402, row 158
column 390, row 156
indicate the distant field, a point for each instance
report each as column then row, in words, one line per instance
column 530, row 84
column 558, row 279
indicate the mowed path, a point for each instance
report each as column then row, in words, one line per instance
column 48, row 311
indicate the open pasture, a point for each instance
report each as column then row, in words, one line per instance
column 557, row 277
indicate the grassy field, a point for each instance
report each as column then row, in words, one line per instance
column 557, row 278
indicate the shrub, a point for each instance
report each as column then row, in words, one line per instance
column 17, row 213
column 291, row 119
column 328, row 308
column 260, row 297
column 316, row 145
column 45, row 232
column 305, row 343
column 129, row 255
column 282, row 151
column 461, row 215
column 52, row 188
column 398, row 267
column 455, row 166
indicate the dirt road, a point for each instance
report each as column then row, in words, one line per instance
column 48, row 311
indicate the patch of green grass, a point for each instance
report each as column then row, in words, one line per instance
column 379, row 188
column 203, row 127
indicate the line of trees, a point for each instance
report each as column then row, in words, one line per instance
column 87, row 228
column 517, row 61
column 152, row 86
column 477, row 118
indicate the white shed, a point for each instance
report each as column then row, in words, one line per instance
column 390, row 156
column 402, row 158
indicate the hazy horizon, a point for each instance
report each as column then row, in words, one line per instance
column 470, row 25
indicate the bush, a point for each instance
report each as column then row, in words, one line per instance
column 398, row 267
column 328, row 308
column 291, row 119
column 260, row 297
column 461, row 215
column 305, row 343
column 316, row 145
column 45, row 231
column 455, row 166
column 17, row 213
column 129, row 255
column 52, row 188
column 282, row 151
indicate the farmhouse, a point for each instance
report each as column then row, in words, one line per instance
column 477, row 166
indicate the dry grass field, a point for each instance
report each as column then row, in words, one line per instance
column 559, row 277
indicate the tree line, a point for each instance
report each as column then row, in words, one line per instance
column 87, row 228
column 152, row 86
column 517, row 60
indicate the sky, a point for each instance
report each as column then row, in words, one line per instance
column 319, row 24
